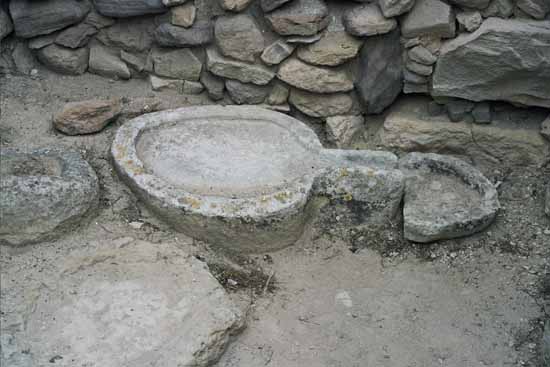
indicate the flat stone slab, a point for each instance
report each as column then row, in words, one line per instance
column 445, row 198
column 137, row 305
column 239, row 177
column 44, row 193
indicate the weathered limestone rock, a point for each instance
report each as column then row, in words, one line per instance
column 393, row 8
column 545, row 128
column 183, row 15
column 190, row 87
column 278, row 95
column 320, row 105
column 132, row 35
column 471, row 4
column 380, row 71
column 535, row 8
column 242, row 93
column 144, row 293
column 6, row 26
column 76, row 36
column 445, row 198
column 300, row 17
column 33, row 18
column 497, row 62
column 469, row 20
column 269, row 5
column 177, row 64
column 87, row 117
column 44, row 194
column 367, row 20
column 64, row 60
column 106, row 63
column 422, row 55
column 160, row 84
column 418, row 68
column 136, row 62
column 235, row 5
column 429, row 17
column 342, row 130
column 232, row 69
column 239, row 36
column 129, row 8
column 169, row 35
column 314, row 78
column 214, row 85
column 334, row 48
column 278, row 51
column 499, row 8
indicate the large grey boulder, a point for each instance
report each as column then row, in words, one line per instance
column 429, row 17
column 445, row 198
column 169, row 35
column 64, row 60
column 506, row 60
column 44, row 194
column 6, row 25
column 239, row 36
column 300, row 17
column 129, row 8
column 244, row 72
column 137, row 304
column 33, row 18
column 315, row 79
column 177, row 64
column 380, row 71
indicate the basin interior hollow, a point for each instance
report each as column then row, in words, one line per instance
column 226, row 157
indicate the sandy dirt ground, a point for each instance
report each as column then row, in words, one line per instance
column 478, row 301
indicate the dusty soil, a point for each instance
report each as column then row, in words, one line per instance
column 378, row 301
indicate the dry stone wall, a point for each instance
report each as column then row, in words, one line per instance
column 324, row 58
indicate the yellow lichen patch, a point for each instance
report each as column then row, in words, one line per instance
column 192, row 202
column 348, row 197
column 282, row 196
column 344, row 172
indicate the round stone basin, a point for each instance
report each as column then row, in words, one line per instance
column 239, row 177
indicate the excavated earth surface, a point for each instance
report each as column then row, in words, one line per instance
column 379, row 300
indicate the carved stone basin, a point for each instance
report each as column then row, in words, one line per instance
column 241, row 176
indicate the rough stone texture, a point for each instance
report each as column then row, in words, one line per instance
column 367, row 20
column 132, row 35
column 422, row 55
column 458, row 109
column 269, row 5
column 414, row 78
column 320, row 105
column 535, row 8
column 445, row 198
column 409, row 88
column 87, row 117
column 232, row 69
column 177, row 64
column 33, row 18
column 278, row 51
column 242, row 93
column 183, row 15
column 429, row 17
column 547, row 211
column 143, row 293
column 239, row 36
column 77, row 36
column 471, row 4
column 418, row 68
column 334, row 48
column 160, row 84
column 214, row 85
column 129, row 8
column 545, row 128
column 44, row 194
column 64, row 60
column 342, row 130
column 169, row 35
column 485, row 65
column 136, row 62
column 380, row 71
column 97, row 20
column 499, row 8
column 482, row 113
column 235, row 5
column 105, row 63
column 6, row 26
column 469, row 20
column 39, row 42
column 393, row 8
column 314, row 78
column 23, row 58
column 300, row 17
column 256, row 173
column 190, row 87
column 278, row 95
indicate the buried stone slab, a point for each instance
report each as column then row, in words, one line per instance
column 445, row 198
column 44, row 193
column 238, row 177
column 137, row 305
